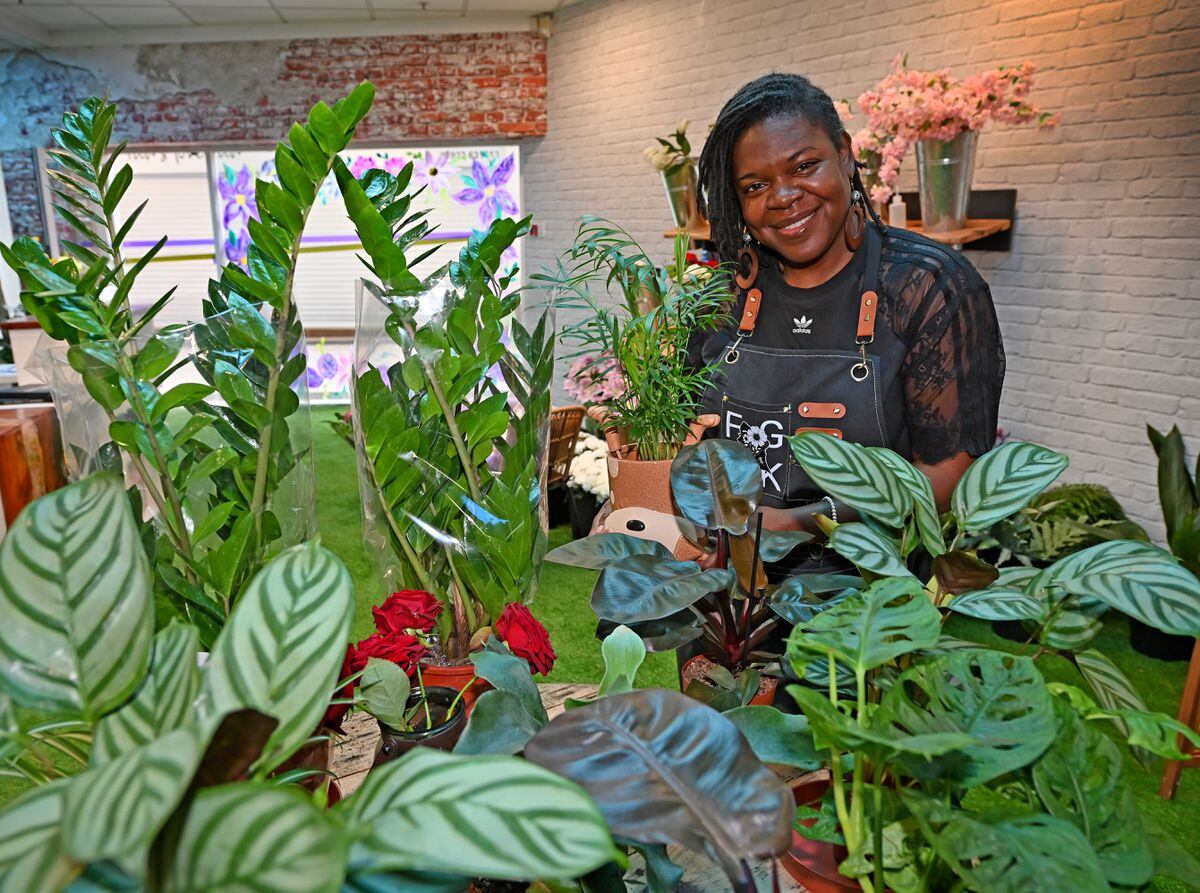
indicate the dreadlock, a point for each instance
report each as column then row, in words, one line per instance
column 770, row 95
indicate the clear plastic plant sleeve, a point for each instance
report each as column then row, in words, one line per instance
column 451, row 404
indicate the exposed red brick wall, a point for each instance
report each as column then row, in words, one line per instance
column 429, row 87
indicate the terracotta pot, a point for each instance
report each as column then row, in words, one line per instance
column 814, row 863
column 638, row 484
column 457, row 677
column 443, row 735
column 695, row 669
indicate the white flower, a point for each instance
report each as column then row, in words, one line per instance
column 589, row 468
column 682, row 125
column 756, row 438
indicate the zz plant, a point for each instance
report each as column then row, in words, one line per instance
column 212, row 455
column 955, row 766
column 452, row 474
column 179, row 776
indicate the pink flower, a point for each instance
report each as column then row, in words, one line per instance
column 595, row 379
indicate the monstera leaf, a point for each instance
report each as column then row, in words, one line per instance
column 999, row 699
column 717, row 485
column 1026, row 854
column 75, row 598
column 666, row 770
column 1002, row 482
column 854, row 475
column 1138, row 579
column 644, row 587
column 868, row 629
column 432, row 811
column 1079, row 780
column 285, row 640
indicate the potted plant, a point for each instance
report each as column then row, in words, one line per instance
column 176, row 782
column 727, row 613
column 588, row 483
column 672, row 158
column 656, row 412
column 215, row 456
column 451, row 452
column 906, row 719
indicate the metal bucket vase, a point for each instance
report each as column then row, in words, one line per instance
column 680, row 184
column 944, row 172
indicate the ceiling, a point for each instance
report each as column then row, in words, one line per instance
column 65, row 23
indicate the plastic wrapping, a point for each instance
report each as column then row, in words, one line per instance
column 451, row 409
column 197, row 348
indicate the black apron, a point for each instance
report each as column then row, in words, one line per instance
column 764, row 394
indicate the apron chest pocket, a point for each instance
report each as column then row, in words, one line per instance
column 764, row 429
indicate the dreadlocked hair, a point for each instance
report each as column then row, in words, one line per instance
column 771, row 95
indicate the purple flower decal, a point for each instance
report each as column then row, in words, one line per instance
column 394, row 165
column 314, row 376
column 237, row 243
column 361, row 165
column 328, row 365
column 486, row 188
column 433, row 171
column 237, row 191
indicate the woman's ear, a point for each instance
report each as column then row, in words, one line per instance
column 846, row 154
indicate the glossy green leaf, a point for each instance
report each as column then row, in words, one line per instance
column 716, row 484
column 256, row 836
column 868, row 550
column 186, row 394
column 384, row 689
column 666, row 770
column 801, row 597
column 432, row 811
column 777, row 737
column 871, row 628
column 1002, row 482
column 777, row 544
column 643, row 587
column 853, row 475
column 285, row 640
column 75, row 597
column 603, row 549
column 1000, row 700
column 162, row 704
column 1138, row 579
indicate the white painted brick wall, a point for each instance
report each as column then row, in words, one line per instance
column 1099, row 297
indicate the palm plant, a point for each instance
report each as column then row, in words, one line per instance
column 663, row 387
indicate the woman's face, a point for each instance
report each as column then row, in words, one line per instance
column 793, row 183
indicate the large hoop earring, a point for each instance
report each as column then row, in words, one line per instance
column 856, row 221
column 747, row 267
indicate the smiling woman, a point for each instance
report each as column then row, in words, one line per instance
column 875, row 335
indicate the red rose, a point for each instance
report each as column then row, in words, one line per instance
column 402, row 649
column 526, row 637
column 407, row 609
column 337, row 712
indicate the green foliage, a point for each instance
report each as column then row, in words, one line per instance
column 430, row 423
column 662, row 389
column 212, row 467
column 1177, row 493
column 717, row 485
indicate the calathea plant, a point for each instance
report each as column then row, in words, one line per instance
column 662, row 768
column 451, row 455
column 211, row 456
column 921, row 718
column 179, row 778
column 729, row 611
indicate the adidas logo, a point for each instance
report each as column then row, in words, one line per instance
column 803, row 326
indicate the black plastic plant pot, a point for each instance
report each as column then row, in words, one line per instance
column 443, row 734
column 584, row 507
column 1161, row 646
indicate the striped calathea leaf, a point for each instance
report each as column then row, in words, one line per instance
column 75, row 598
column 493, row 816
column 32, row 856
column 285, row 641
column 854, row 475
column 920, row 491
column 1002, row 482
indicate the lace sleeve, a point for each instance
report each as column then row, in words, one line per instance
column 954, row 369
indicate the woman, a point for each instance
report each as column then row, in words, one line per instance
column 878, row 335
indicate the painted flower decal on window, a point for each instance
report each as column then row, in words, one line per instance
column 433, row 172
column 237, row 243
column 486, row 188
column 361, row 165
column 237, row 191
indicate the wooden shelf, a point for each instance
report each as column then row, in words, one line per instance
column 972, row 231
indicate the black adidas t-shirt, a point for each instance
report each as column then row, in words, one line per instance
column 936, row 303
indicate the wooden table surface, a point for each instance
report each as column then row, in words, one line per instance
column 354, row 753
